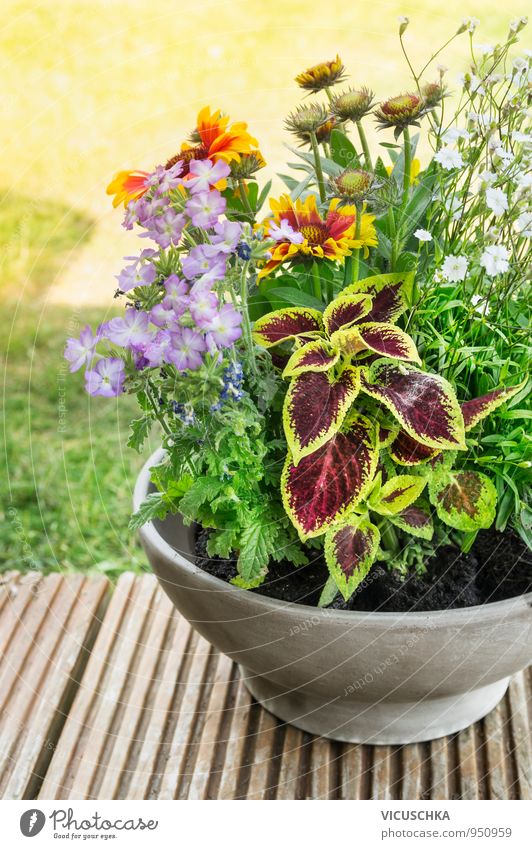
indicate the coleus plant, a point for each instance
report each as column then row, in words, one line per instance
column 357, row 406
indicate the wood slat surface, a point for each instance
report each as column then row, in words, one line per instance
column 107, row 693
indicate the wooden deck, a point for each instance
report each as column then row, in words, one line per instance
column 107, row 693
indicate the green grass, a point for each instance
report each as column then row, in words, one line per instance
column 67, row 483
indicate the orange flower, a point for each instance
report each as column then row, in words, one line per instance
column 127, row 185
column 332, row 238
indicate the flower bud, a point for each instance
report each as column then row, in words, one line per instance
column 352, row 104
column 321, row 76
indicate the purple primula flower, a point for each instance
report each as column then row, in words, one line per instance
column 131, row 331
column 164, row 179
column 155, row 351
column 205, row 208
column 200, row 264
column 147, row 253
column 187, row 349
column 79, row 352
column 226, row 238
column 163, row 315
column 205, row 174
column 284, row 232
column 106, row 378
column 176, row 297
column 134, row 275
column 224, row 328
column 166, row 228
column 203, row 305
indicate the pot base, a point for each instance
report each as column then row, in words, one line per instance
column 385, row 722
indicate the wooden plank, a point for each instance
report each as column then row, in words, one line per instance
column 496, row 754
column 352, row 771
column 411, row 772
column 440, row 759
column 236, row 745
column 382, row 771
column 320, row 768
column 289, row 773
column 520, row 729
column 263, row 754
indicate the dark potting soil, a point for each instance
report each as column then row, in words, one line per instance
column 498, row 566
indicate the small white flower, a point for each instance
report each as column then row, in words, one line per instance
column 471, row 24
column 524, row 225
column 519, row 65
column 449, row 158
column 480, row 305
column 524, row 182
column 442, row 69
column 521, row 138
column 423, row 235
column 484, row 49
column 453, row 134
column 402, row 19
column 454, row 268
column 502, row 157
column 494, row 260
column 497, row 201
column 518, row 23
column 486, row 178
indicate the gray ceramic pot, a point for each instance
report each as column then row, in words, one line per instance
column 358, row 677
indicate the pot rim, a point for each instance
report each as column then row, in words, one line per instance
column 149, row 534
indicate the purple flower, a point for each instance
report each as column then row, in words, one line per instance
column 166, row 228
column 165, row 179
column 187, row 349
column 284, row 232
column 130, row 331
column 79, row 352
column 106, row 378
column 205, row 174
column 227, row 237
column 224, row 327
column 205, row 208
column 134, row 275
column 155, row 351
column 162, row 315
column 203, row 305
column 200, row 264
column 176, row 296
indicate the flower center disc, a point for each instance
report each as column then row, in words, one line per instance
column 315, row 234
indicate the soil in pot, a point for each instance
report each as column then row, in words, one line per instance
column 499, row 566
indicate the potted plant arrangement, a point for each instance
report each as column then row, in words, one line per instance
column 338, row 375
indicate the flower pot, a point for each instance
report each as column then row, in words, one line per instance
column 352, row 676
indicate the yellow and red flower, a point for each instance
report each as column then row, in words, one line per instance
column 331, row 238
column 216, row 139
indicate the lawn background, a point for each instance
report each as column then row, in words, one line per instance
column 92, row 87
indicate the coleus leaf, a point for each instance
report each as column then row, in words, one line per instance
column 317, row 355
column 391, row 294
column 424, row 404
column 344, row 311
column 315, row 407
column 465, row 500
column 331, row 481
column 478, row 408
column 386, row 436
column 350, row 551
column 416, row 520
column 397, row 494
column 407, row 451
column 281, row 325
column 380, row 337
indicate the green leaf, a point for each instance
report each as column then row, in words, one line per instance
column 203, row 489
column 350, row 551
column 156, row 506
column 329, row 592
column 465, row 500
column 343, row 151
column 293, row 297
column 222, row 543
column 263, row 195
column 255, row 548
column 139, row 432
column 397, row 493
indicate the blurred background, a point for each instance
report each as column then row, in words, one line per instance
column 89, row 87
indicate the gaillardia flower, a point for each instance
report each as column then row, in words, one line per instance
column 307, row 120
column 353, row 184
column 400, row 111
column 332, row 238
column 352, row 105
column 247, row 165
column 321, row 76
column 128, row 185
column 432, row 94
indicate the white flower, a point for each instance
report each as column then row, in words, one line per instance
column 497, row 201
column 484, row 49
column 524, row 182
column 442, row 69
column 521, row 138
column 453, row 134
column 520, row 65
column 495, row 260
column 486, row 178
column 471, row 24
column 480, row 305
column 402, row 19
column 449, row 158
column 518, row 23
column 502, row 157
column 423, row 235
column 524, row 225
column 454, row 268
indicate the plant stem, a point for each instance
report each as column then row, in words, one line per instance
column 317, row 166
column 393, row 237
column 316, row 282
column 365, row 146
column 356, row 255
column 348, row 270
column 250, row 345
column 407, row 166
column 245, row 200
column 158, row 415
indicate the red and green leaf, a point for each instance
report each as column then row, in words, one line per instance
column 465, row 500
column 478, row 408
column 388, row 341
column 415, row 520
column 315, row 407
column 344, row 311
column 285, row 324
column 391, row 294
column 330, row 482
column 317, row 355
column 398, row 493
column 424, row 404
column 386, row 436
column 407, row 451
column 350, row 551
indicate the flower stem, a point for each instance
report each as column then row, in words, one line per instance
column 365, row 146
column 245, row 200
column 250, row 345
column 407, row 166
column 316, row 282
column 317, row 166
column 356, row 255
